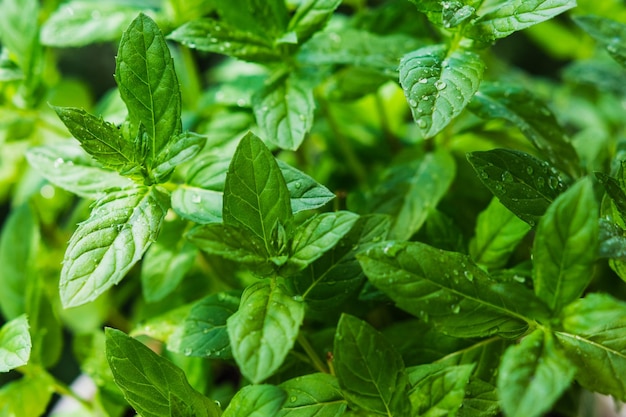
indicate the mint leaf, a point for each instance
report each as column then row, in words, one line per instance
column 336, row 275
column 371, row 373
column 312, row 395
column 81, row 23
column 533, row 375
column 408, row 191
column 203, row 332
column 592, row 339
column 19, row 31
column 179, row 149
column 266, row 18
column 532, row 117
column 311, row 16
column 318, row 235
column 615, row 192
column 234, row 243
column 166, row 261
column 28, row 396
column 256, row 197
column 148, row 84
column 107, row 245
column 15, row 344
column 498, row 232
column 100, row 139
column 221, row 37
column 197, row 204
column 438, row 390
column 19, row 246
column 256, row 401
column 284, row 111
column 264, row 329
column 500, row 20
column 438, row 83
column 305, row 193
column 522, row 183
column 608, row 32
column 149, row 382
column 564, row 251
column 448, row 289
column 69, row 167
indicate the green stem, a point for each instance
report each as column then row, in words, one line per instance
column 315, row 359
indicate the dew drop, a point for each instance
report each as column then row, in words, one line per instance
column 456, row 309
column 302, row 117
column 529, row 170
column 227, row 45
column 553, row 182
column 58, row 162
column 241, row 102
column 469, row 275
column 484, row 175
column 188, row 351
column 507, row 177
column 421, row 123
column 297, row 185
column 541, row 181
column 455, row 271
column 423, row 80
column 440, row 85
column 206, row 330
column 293, row 398
column 196, row 199
column 412, row 103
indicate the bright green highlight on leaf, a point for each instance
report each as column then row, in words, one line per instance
column 15, row 344
column 256, row 401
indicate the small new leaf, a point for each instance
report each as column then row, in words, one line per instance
column 264, row 329
column 565, row 247
column 153, row 385
column 284, row 111
column 370, row 371
column 148, row 84
column 503, row 19
column 305, row 193
column 533, row 375
column 15, row 344
column 105, row 247
column 438, row 83
column 179, row 149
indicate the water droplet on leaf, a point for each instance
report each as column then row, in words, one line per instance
column 440, row 85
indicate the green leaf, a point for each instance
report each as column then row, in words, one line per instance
column 149, row 381
column 221, row 37
column 256, row 401
column 500, row 20
column 15, row 344
column 532, row 117
column 203, row 332
column 438, row 83
column 498, row 232
column 256, row 197
column 438, row 390
column 69, row 167
column 610, row 33
column 179, row 149
column 533, row 375
column 232, row 243
column 408, row 191
column 592, row 337
column 565, row 246
column 264, row 329
column 336, row 275
column 107, row 245
column 266, row 18
column 19, row 29
column 522, row 183
column 19, row 245
column 449, row 290
column 317, row 236
column 310, row 17
column 28, row 396
column 81, row 23
column 166, row 261
column 284, row 111
column 370, row 371
column 305, row 192
column 147, row 83
column 197, row 204
column 360, row 48
column 312, row 395
column 101, row 139
column 615, row 192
